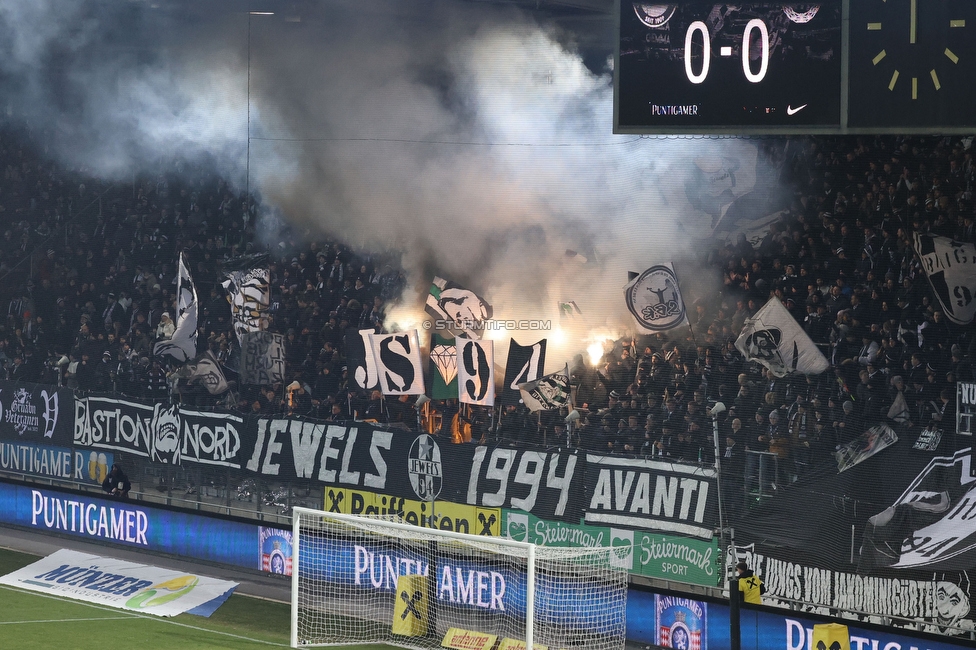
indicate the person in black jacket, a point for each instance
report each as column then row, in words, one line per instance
column 117, row 483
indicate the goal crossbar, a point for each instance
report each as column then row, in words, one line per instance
column 583, row 594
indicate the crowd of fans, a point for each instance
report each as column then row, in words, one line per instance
column 87, row 269
column 841, row 259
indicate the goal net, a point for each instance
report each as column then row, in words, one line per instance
column 368, row 580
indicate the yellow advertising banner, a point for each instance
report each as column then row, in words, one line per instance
column 461, row 639
column 515, row 644
column 442, row 515
column 833, row 636
column 410, row 608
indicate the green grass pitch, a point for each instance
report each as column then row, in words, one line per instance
column 29, row 620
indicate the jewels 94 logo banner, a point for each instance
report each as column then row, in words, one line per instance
column 35, row 412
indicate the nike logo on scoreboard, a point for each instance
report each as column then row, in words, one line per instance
column 793, row 111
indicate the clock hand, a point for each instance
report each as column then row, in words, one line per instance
column 911, row 35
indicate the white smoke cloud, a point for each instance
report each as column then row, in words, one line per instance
column 471, row 137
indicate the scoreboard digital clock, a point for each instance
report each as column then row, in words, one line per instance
column 835, row 66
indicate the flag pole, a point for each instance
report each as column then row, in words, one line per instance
column 690, row 328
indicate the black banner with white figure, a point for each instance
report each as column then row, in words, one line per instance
column 35, row 413
column 547, row 484
column 950, row 267
column 476, row 371
column 651, row 495
column 525, row 364
column 163, row 433
column 262, row 358
column 399, row 365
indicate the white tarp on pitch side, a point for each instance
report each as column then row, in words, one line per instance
column 121, row 584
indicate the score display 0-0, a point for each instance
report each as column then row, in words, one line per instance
column 775, row 67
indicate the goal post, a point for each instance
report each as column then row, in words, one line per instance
column 371, row 580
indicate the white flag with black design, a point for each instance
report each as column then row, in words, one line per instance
column 654, row 299
column 399, row 366
column 249, row 293
column 183, row 345
column 774, row 338
column 205, row 369
column 476, row 371
column 547, row 393
column 950, row 267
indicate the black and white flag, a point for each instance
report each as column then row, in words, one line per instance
column 654, row 299
column 249, row 293
column 399, row 365
column 205, row 369
column 950, row 267
column 183, row 345
column 547, row 393
column 465, row 310
column 262, row 358
column 525, row 364
column 476, row 371
column 773, row 338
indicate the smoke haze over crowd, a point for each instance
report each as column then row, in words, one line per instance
column 471, row 137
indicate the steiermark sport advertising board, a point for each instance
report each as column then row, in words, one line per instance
column 668, row 557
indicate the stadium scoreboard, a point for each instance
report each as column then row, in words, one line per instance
column 835, row 66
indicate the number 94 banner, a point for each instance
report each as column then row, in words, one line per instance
column 476, row 371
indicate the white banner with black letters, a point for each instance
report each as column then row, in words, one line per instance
column 476, row 371
column 651, row 495
column 164, row 433
column 950, row 267
column 399, row 365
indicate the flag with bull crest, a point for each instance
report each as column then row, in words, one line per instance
column 774, row 338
